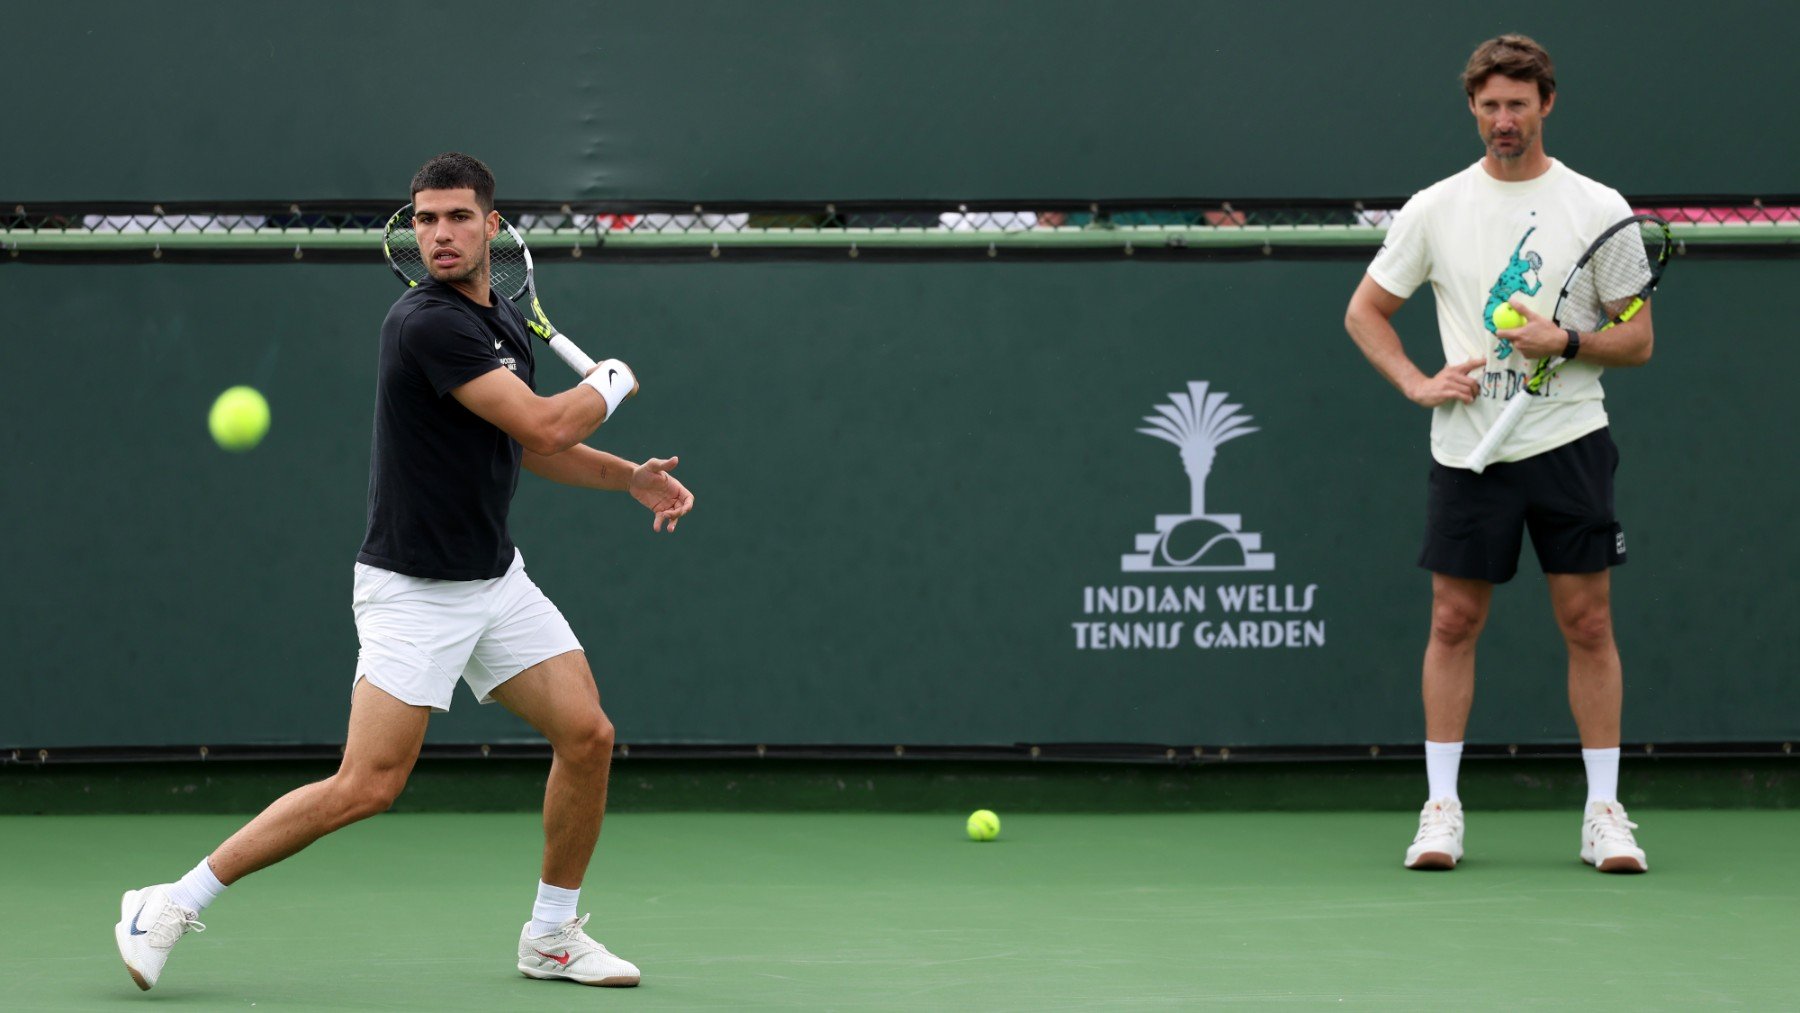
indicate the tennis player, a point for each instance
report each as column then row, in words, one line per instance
column 1508, row 229
column 441, row 593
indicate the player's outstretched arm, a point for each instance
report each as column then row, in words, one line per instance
column 1369, row 321
column 582, row 467
column 649, row 483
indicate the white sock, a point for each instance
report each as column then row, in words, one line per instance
column 197, row 889
column 1441, row 761
column 554, row 906
column 1603, row 774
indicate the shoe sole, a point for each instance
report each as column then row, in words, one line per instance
column 1620, row 863
column 1433, row 861
column 611, row 981
column 119, row 937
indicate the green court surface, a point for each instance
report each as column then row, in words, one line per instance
column 900, row 911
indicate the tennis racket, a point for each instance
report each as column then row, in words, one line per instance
column 510, row 274
column 1608, row 286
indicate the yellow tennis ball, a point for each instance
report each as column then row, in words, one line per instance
column 238, row 419
column 983, row 825
column 1506, row 318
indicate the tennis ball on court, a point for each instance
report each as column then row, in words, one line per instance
column 983, row 825
column 238, row 419
column 1506, row 318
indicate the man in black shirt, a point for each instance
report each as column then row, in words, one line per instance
column 441, row 592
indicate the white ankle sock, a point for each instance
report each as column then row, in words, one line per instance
column 1441, row 761
column 197, row 889
column 554, row 906
column 1602, row 774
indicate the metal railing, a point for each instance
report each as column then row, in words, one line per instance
column 1721, row 225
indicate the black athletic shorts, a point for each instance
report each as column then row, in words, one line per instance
column 1564, row 496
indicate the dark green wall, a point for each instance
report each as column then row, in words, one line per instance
column 906, row 476
column 822, row 100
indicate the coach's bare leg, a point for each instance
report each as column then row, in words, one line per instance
column 1459, row 609
column 558, row 697
column 383, row 744
column 1583, row 604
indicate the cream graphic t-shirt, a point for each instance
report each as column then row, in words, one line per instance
column 1479, row 241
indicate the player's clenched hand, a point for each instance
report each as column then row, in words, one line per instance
column 1452, row 383
column 1538, row 338
column 605, row 363
column 665, row 496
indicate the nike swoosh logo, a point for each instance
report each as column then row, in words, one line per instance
column 563, row 960
column 610, row 374
column 134, row 920
column 496, row 346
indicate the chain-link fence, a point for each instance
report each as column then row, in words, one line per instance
column 1725, row 226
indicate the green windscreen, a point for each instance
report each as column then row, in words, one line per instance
column 926, row 512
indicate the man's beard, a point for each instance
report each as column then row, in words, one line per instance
column 1521, row 143
column 477, row 266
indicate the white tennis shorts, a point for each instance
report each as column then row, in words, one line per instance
column 420, row 635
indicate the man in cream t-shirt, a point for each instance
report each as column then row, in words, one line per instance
column 1481, row 241
column 1508, row 229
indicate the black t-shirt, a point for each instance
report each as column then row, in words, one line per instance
column 441, row 477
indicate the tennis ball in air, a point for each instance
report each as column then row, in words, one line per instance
column 983, row 825
column 1506, row 318
column 239, row 419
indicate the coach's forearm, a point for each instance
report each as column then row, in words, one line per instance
column 581, row 466
column 1380, row 344
column 1627, row 344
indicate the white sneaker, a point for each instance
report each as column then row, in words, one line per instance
column 150, row 924
column 1439, row 842
column 570, row 953
column 1606, row 841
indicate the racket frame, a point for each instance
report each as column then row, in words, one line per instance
column 1483, row 454
column 535, row 319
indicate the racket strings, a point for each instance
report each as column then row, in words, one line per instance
column 506, row 262
column 507, row 265
column 1619, row 271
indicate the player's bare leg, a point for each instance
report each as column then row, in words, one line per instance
column 382, row 746
column 384, row 740
column 1459, row 609
column 1583, row 604
column 558, row 697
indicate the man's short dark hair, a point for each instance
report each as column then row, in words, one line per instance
column 454, row 170
column 1516, row 56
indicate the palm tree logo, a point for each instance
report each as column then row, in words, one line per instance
column 1197, row 421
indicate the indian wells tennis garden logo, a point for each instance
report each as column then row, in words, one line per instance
column 1188, row 608
column 1197, row 422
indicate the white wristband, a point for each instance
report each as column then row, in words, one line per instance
column 615, row 382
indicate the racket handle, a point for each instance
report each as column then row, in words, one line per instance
column 1483, row 454
column 575, row 357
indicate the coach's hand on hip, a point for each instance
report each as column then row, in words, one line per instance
column 665, row 496
column 1454, row 382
